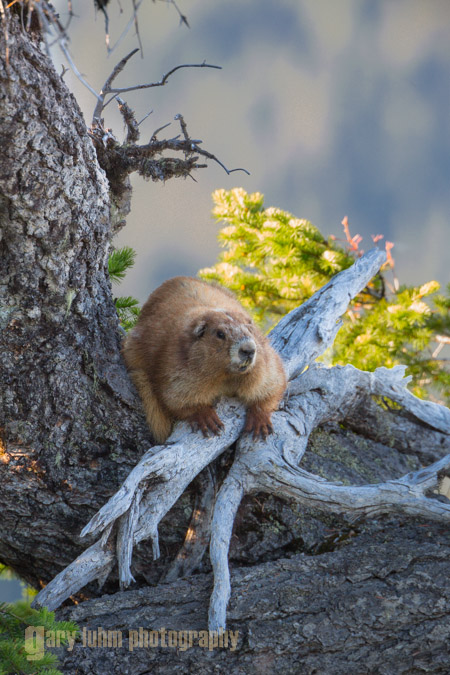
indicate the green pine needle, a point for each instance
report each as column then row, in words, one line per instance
column 14, row 619
column 120, row 260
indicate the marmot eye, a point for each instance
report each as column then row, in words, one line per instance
column 220, row 334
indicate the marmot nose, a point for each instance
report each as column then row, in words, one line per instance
column 246, row 352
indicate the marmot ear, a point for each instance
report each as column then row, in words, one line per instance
column 199, row 329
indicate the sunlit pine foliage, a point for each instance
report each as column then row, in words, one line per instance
column 274, row 261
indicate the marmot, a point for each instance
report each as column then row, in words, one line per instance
column 193, row 343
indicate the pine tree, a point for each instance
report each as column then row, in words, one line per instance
column 274, row 262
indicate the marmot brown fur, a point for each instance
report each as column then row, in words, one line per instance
column 193, row 343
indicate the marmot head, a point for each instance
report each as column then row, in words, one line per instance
column 224, row 338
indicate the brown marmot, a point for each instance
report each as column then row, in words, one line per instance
column 193, row 343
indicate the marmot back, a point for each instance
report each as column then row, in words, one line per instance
column 192, row 344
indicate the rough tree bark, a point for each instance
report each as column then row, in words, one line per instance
column 71, row 430
column 64, row 394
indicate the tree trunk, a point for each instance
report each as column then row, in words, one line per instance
column 71, row 429
column 68, row 424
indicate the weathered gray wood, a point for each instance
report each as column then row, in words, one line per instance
column 314, row 396
column 391, row 382
column 172, row 467
column 307, row 331
column 95, row 563
column 168, row 469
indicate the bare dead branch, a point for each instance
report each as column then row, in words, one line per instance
column 193, row 147
column 316, row 396
column 62, row 30
column 70, row 16
column 297, row 328
column 145, row 117
column 156, row 132
column 119, row 160
column 183, row 126
column 209, row 155
column 106, row 89
column 164, row 78
column 162, row 464
column 96, row 562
